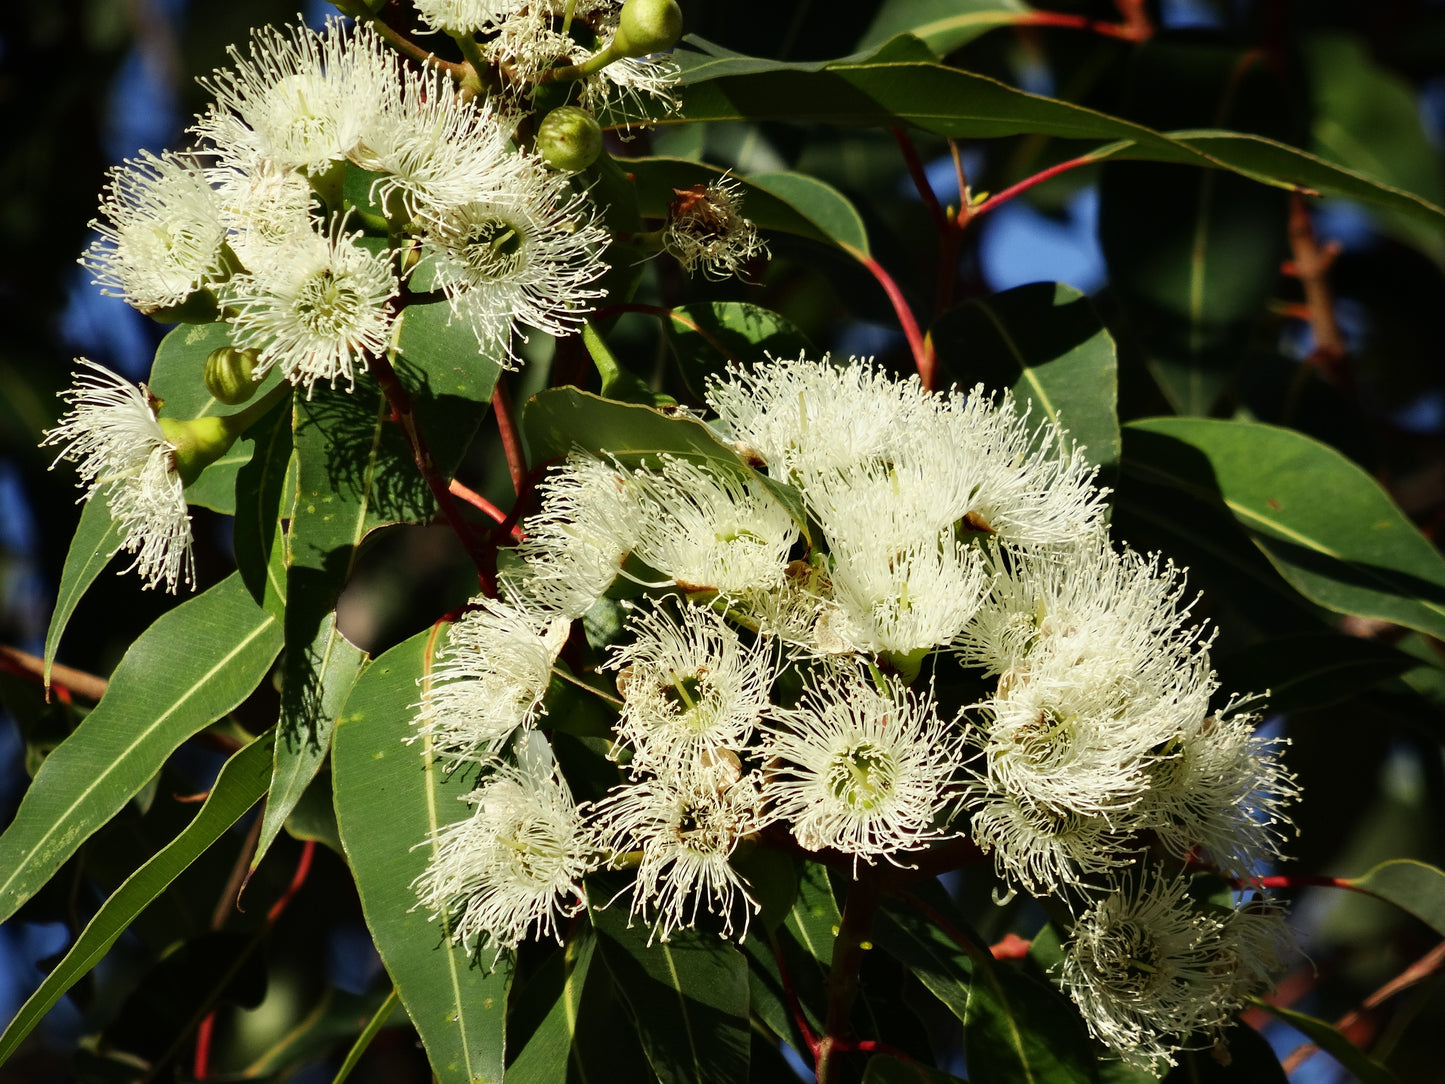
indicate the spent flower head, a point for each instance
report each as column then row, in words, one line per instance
column 707, row 232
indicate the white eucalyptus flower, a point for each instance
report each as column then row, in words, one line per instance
column 466, row 16
column 122, row 455
column 161, row 232
column 805, row 418
column 690, row 686
column 1041, row 850
column 1152, row 972
column 490, row 678
column 515, row 866
column 301, row 99
column 1218, row 791
column 439, row 150
column 526, row 258
column 316, row 308
column 686, row 826
column 576, row 542
column 868, row 773
column 264, row 209
column 707, row 528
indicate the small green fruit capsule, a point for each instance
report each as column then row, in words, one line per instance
column 198, row 443
column 228, row 374
column 647, row 26
column 569, row 139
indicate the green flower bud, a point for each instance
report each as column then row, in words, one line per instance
column 569, row 139
column 198, row 443
column 647, row 26
column 228, row 374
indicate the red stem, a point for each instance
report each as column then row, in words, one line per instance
column 399, row 399
column 511, row 438
column 1130, row 31
column 303, row 868
column 1300, row 881
column 794, row 1006
column 1025, row 184
column 201, row 1066
column 920, row 181
column 477, row 501
column 923, row 358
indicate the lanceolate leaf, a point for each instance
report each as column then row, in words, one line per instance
column 391, row 798
column 193, row 665
column 960, row 104
column 1327, row 527
column 1046, row 342
column 97, row 537
column 241, row 783
column 831, row 212
column 943, row 25
column 1412, row 886
column 176, row 379
column 688, row 996
column 710, row 336
column 551, row 1049
column 261, row 505
column 1015, row 1029
column 1328, row 1037
column 336, row 663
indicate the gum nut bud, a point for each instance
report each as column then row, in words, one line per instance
column 197, row 443
column 569, row 139
column 228, row 374
column 647, row 26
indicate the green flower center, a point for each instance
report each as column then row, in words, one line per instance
column 862, row 775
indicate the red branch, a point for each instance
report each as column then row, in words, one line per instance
column 477, row 501
column 794, row 1006
column 1127, row 31
column 920, row 181
column 511, row 437
column 923, row 358
column 1027, row 183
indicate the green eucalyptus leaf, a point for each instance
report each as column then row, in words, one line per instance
column 336, row 663
column 1046, row 342
column 709, row 336
column 886, row 1069
column 1412, row 886
column 831, row 213
column 688, row 997
column 178, row 378
column 391, row 797
column 888, row 91
column 1325, row 525
column 192, row 666
column 1194, row 255
column 97, row 538
column 262, row 487
column 1328, row 1038
column 237, row 788
column 943, row 25
column 550, row 1046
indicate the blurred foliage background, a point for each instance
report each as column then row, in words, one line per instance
column 84, row 83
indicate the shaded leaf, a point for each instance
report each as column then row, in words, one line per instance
column 830, row 212
column 193, row 665
column 1303, row 672
column 711, row 335
column 549, row 1048
column 1411, row 886
column 1194, row 255
column 1046, row 342
column 239, row 786
column 943, row 25
column 1325, row 525
column 884, row 1069
column 391, row 798
column 1328, row 1038
column 299, row 755
column 688, row 997
column 177, row 377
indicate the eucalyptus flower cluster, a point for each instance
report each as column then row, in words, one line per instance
column 330, row 183
column 781, row 633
